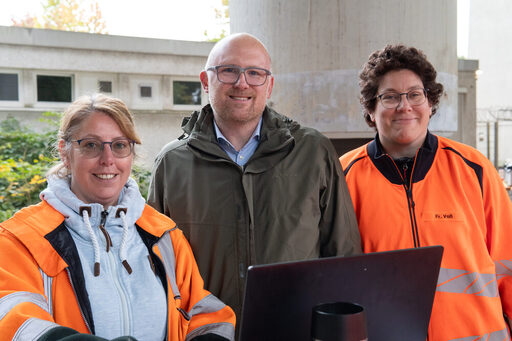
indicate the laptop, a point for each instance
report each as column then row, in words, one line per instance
column 396, row 288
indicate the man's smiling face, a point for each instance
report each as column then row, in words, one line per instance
column 239, row 102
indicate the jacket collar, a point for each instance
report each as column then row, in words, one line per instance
column 276, row 139
column 154, row 222
column 423, row 159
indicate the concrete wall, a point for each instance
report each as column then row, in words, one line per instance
column 467, row 101
column 127, row 62
column 318, row 48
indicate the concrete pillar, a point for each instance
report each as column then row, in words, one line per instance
column 467, row 100
column 318, row 48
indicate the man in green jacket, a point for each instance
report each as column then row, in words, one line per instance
column 248, row 185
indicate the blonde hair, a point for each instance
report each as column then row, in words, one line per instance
column 80, row 110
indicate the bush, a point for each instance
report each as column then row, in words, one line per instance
column 17, row 142
column 142, row 176
column 26, row 156
column 20, row 183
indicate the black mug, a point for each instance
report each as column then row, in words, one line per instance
column 338, row 321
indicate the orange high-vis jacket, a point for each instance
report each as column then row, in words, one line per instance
column 455, row 199
column 39, row 290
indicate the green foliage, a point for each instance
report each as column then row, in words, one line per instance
column 142, row 176
column 17, row 142
column 20, row 184
column 24, row 159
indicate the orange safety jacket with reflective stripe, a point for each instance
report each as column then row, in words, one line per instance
column 40, row 287
column 456, row 199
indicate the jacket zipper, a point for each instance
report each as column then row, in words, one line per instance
column 108, row 240
column 410, row 201
column 124, row 306
column 112, row 265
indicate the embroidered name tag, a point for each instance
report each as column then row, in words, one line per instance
column 442, row 216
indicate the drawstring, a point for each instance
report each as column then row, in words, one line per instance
column 121, row 213
column 85, row 215
column 122, row 248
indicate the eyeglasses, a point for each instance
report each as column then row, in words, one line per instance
column 91, row 147
column 230, row 74
column 391, row 100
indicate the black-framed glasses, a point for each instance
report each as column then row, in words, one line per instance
column 230, row 74
column 91, row 147
column 391, row 100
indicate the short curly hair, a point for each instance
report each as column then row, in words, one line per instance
column 396, row 57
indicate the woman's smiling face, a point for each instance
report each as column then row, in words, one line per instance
column 99, row 179
column 404, row 127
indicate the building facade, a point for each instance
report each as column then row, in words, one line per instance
column 44, row 70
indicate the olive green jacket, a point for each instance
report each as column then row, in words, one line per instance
column 289, row 202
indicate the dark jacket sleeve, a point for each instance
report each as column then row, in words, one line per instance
column 157, row 186
column 339, row 233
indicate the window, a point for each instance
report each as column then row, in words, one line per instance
column 53, row 88
column 8, row 87
column 105, row 86
column 186, row 93
column 145, row 91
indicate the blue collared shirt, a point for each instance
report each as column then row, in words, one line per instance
column 241, row 157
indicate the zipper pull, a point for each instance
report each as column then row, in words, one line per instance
column 108, row 240
column 405, row 167
column 409, row 194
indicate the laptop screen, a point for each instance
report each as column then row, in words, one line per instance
column 396, row 289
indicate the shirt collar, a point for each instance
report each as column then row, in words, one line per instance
column 221, row 137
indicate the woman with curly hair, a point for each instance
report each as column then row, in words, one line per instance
column 411, row 188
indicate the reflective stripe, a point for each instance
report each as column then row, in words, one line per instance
column 464, row 282
column 209, row 304
column 223, row 329
column 33, row 329
column 8, row 302
column 503, row 267
column 167, row 252
column 500, row 335
column 47, row 283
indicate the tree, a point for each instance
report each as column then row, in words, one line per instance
column 67, row 15
column 222, row 17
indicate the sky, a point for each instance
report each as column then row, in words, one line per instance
column 175, row 19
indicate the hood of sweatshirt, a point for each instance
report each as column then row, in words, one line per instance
column 59, row 195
